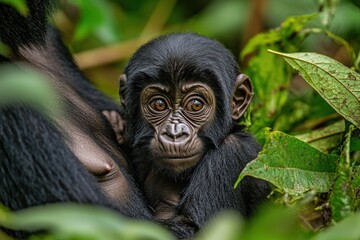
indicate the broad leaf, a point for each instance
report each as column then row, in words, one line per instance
column 337, row 84
column 71, row 221
column 292, row 165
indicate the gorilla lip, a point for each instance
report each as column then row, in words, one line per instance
column 178, row 165
column 177, row 159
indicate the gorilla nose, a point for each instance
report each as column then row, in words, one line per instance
column 176, row 132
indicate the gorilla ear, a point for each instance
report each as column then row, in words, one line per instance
column 122, row 81
column 242, row 95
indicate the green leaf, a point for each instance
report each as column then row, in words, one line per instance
column 225, row 226
column 259, row 40
column 333, row 129
column 286, row 30
column 28, row 86
column 355, row 140
column 325, row 138
column 218, row 18
column 292, row 113
column 275, row 222
column 95, row 19
column 345, row 230
column 71, row 221
column 292, row 165
column 337, row 84
column 262, row 135
column 271, row 222
column 270, row 77
column 19, row 5
column 4, row 237
column 342, row 193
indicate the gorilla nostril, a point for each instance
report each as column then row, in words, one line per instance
column 176, row 132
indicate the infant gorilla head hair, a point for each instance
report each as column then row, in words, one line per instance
column 183, row 94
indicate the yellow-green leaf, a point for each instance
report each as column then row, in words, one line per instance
column 337, row 84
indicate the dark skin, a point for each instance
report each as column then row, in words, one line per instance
column 183, row 96
column 97, row 151
column 177, row 116
column 78, row 138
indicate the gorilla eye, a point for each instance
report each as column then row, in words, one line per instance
column 158, row 105
column 195, row 105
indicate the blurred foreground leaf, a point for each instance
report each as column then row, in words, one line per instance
column 219, row 18
column 345, row 230
column 19, row 5
column 27, row 86
column 95, row 19
column 292, row 165
column 225, row 226
column 71, row 221
column 271, row 222
column 337, row 84
column 274, row 222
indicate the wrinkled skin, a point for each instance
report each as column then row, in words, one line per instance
column 176, row 118
column 183, row 95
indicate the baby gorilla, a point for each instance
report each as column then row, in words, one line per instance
column 183, row 95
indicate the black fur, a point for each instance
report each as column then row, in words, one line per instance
column 33, row 26
column 170, row 60
column 36, row 166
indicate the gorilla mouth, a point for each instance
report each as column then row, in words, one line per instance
column 180, row 161
column 180, row 158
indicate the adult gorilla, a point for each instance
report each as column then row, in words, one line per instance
column 74, row 159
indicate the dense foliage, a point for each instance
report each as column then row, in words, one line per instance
column 309, row 126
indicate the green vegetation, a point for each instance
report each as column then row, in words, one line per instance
column 310, row 130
